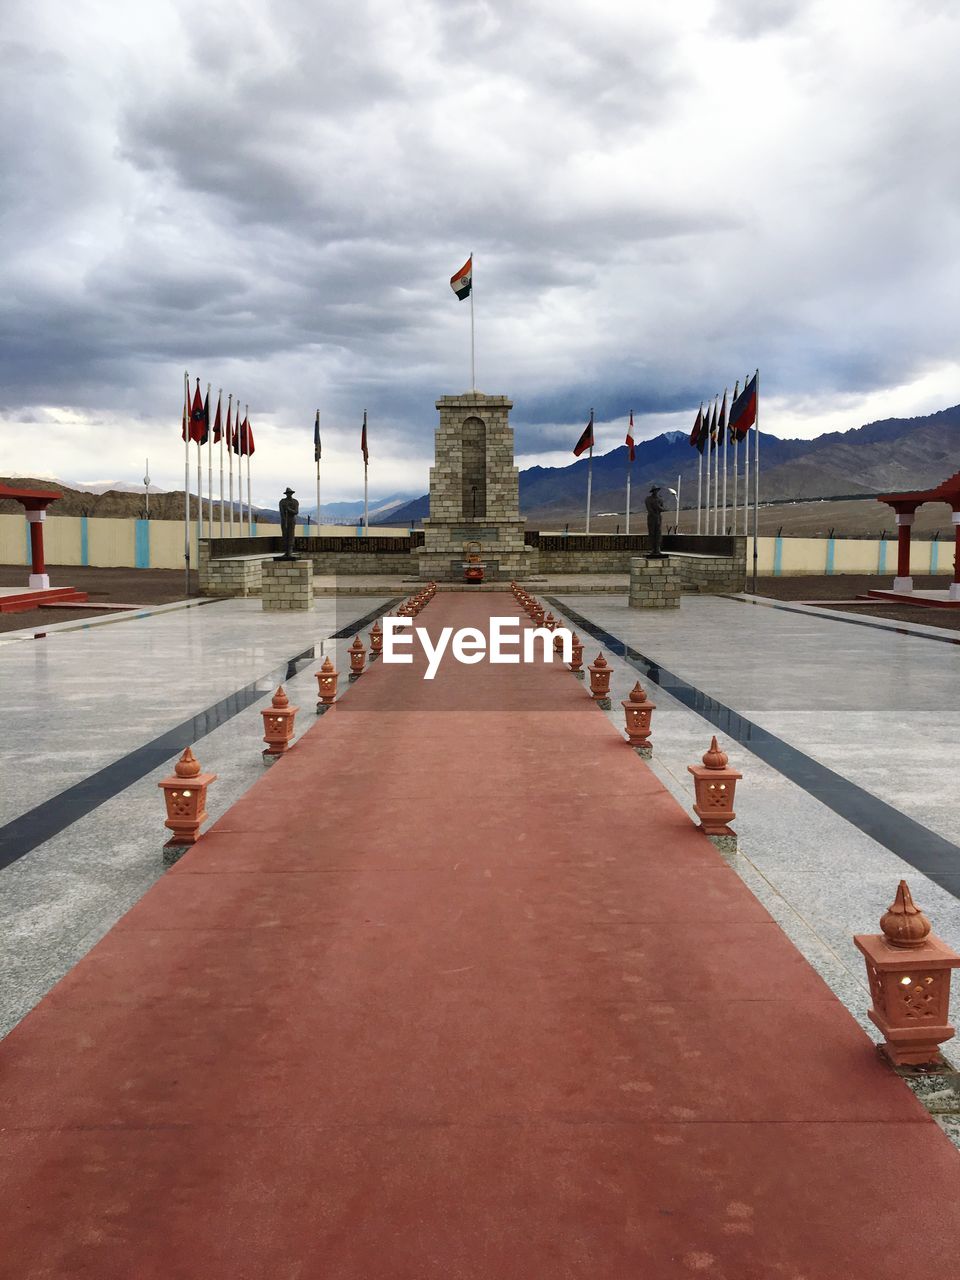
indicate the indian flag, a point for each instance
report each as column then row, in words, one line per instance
column 462, row 282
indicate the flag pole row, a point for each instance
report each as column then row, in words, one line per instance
column 197, row 428
column 719, row 436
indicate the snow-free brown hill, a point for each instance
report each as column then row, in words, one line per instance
column 79, row 502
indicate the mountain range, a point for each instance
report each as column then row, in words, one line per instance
column 884, row 456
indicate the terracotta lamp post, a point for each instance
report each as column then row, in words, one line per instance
column 358, row 658
column 600, row 673
column 185, row 795
column 327, row 678
column 909, row 974
column 576, row 657
column 638, row 711
column 715, row 785
column 376, row 641
column 278, row 725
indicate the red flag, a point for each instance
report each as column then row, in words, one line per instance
column 363, row 440
column 242, row 437
column 217, row 428
column 228, row 431
column 697, row 434
column 205, row 435
column 629, row 440
column 586, row 440
column 743, row 411
column 197, row 417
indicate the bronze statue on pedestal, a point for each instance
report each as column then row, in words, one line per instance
column 289, row 507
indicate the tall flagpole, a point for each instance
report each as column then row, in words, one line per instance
column 366, row 522
column 677, row 529
column 230, row 455
column 209, row 470
column 589, row 486
column 756, row 482
column 246, row 418
column 746, row 474
column 590, row 473
column 716, row 473
column 473, row 349
column 199, row 497
column 239, row 475
column 711, row 471
column 699, row 476
column 711, row 446
column 219, row 397
column 186, row 481
column 736, row 464
column 317, row 453
column 736, row 458
column 629, row 469
column 726, row 445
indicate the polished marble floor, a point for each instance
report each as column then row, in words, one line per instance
column 86, row 697
column 877, row 706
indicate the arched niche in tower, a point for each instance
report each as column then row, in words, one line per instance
column 474, row 470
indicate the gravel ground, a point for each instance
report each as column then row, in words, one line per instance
column 111, row 586
column 844, row 587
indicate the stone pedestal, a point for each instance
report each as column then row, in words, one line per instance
column 286, row 584
column 654, row 584
column 474, row 493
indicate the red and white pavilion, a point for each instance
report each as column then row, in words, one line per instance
column 38, row 589
column 905, row 505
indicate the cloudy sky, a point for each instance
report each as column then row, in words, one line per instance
column 273, row 194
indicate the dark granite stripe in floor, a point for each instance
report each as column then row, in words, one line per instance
column 936, row 857
column 46, row 820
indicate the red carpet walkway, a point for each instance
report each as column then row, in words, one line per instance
column 457, row 991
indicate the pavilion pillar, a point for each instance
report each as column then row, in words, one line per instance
column 39, row 578
column 903, row 580
column 954, row 593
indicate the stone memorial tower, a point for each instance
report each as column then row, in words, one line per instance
column 474, row 493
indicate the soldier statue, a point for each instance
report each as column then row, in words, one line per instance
column 289, row 507
column 655, row 509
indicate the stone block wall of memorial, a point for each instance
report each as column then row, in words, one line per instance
column 474, row 492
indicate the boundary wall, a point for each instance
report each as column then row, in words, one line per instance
column 158, row 544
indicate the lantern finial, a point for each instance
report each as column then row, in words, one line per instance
column 188, row 766
column 714, row 758
column 904, row 924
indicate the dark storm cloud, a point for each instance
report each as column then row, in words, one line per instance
column 274, row 195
